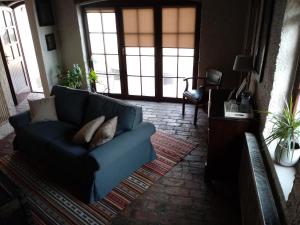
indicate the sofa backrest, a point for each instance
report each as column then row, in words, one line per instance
column 70, row 104
column 129, row 116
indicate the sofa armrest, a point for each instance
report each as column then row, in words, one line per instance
column 20, row 120
column 119, row 147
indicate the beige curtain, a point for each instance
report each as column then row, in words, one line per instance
column 138, row 27
column 178, row 27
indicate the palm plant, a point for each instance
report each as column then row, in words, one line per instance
column 285, row 129
column 93, row 79
column 71, row 78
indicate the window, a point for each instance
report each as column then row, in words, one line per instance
column 178, row 31
column 104, row 50
column 139, row 43
column 157, row 48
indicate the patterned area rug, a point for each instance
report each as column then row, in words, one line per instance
column 52, row 204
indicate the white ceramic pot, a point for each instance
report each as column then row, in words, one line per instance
column 285, row 157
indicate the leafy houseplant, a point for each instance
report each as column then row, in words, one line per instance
column 71, row 78
column 93, row 79
column 286, row 130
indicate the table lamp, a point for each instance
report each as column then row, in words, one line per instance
column 243, row 63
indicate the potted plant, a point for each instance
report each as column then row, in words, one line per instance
column 70, row 78
column 286, row 131
column 93, row 79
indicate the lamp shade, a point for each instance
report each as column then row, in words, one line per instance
column 243, row 63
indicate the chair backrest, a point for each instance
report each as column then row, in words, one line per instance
column 213, row 77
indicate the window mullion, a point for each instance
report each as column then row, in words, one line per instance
column 121, row 51
column 158, row 51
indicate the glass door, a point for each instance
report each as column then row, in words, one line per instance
column 139, row 51
column 154, row 57
column 178, row 32
column 103, row 43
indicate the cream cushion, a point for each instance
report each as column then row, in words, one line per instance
column 43, row 109
column 85, row 134
column 104, row 133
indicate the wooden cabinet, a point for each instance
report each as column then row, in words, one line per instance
column 225, row 139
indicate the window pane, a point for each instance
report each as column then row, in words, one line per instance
column 99, row 63
column 133, row 65
column 111, row 43
column 145, row 17
column 147, row 63
column 96, row 43
column 131, row 40
column 147, row 51
column 170, row 51
column 146, row 40
column 6, row 38
column 132, row 51
column 12, row 34
column 16, row 51
column 94, row 22
column 187, row 20
column 8, row 18
column 114, row 84
column 112, row 64
column 169, row 20
column 148, row 86
column 134, row 85
column 170, row 41
column 8, row 52
column 169, row 87
column 169, row 66
column 186, row 52
column 101, row 86
column 185, row 66
column 130, row 20
column 109, row 22
column 186, row 41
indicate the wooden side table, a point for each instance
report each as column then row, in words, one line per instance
column 225, row 139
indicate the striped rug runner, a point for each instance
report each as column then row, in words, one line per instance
column 51, row 204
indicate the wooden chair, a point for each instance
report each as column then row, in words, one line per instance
column 199, row 96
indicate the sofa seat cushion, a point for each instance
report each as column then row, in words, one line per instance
column 129, row 116
column 64, row 147
column 36, row 138
column 67, row 159
column 70, row 104
column 48, row 130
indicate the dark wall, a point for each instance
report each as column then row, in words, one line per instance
column 223, row 27
column 262, row 90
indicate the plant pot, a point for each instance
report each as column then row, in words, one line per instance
column 285, row 157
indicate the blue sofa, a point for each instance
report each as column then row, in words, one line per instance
column 95, row 173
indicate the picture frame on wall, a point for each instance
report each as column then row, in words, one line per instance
column 262, row 39
column 44, row 12
column 50, row 41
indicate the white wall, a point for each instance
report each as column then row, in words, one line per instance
column 69, row 26
column 287, row 59
column 47, row 60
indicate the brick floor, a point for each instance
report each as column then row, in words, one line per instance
column 181, row 196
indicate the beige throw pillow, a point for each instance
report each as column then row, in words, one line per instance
column 43, row 109
column 105, row 133
column 85, row 134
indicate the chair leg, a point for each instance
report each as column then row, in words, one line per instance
column 183, row 105
column 196, row 114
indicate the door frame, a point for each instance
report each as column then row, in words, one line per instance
column 5, row 63
column 157, row 7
